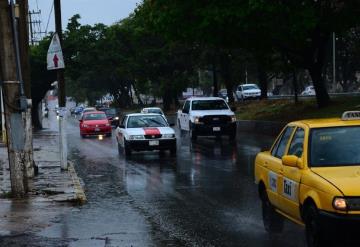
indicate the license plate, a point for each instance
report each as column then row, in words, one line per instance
column 153, row 143
column 216, row 128
column 97, row 129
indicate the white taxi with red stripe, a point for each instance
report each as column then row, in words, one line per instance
column 141, row 132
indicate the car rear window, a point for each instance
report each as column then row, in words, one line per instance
column 335, row 146
column 95, row 116
column 209, row 105
column 146, row 121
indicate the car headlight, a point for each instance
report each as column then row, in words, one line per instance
column 136, row 137
column 116, row 118
column 85, row 125
column 197, row 120
column 168, row 136
column 339, row 203
column 233, row 118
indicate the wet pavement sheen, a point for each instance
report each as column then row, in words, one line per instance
column 205, row 196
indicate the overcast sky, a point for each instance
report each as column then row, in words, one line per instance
column 91, row 11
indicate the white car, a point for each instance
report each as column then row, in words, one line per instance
column 142, row 132
column 309, row 90
column 248, row 91
column 156, row 110
column 207, row 116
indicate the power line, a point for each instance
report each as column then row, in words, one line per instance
column 47, row 24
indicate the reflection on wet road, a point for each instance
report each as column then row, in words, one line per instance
column 205, row 196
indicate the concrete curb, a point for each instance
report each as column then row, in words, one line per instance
column 79, row 191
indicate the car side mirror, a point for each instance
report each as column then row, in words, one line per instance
column 184, row 111
column 292, row 161
column 233, row 108
column 80, row 120
column 121, row 126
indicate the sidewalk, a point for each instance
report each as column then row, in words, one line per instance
column 51, row 183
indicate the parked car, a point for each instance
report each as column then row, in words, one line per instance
column 141, row 132
column 311, row 176
column 223, row 94
column 309, row 90
column 207, row 116
column 247, row 91
column 94, row 123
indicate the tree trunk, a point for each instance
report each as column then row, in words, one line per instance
column 322, row 96
column 295, row 87
column 262, row 76
column 35, row 116
column 215, row 80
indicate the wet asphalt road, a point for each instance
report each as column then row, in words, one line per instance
column 205, row 196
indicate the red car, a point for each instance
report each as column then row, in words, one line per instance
column 94, row 123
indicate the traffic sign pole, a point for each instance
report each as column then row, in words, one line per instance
column 56, row 59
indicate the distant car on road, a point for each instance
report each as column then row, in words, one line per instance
column 311, row 176
column 141, row 132
column 309, row 90
column 112, row 114
column 156, row 110
column 207, row 116
column 78, row 110
column 248, row 91
column 223, row 94
column 94, row 123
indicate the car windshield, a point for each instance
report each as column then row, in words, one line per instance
column 95, row 116
column 158, row 111
column 209, row 105
column 250, row 87
column 338, row 146
column 146, row 121
column 110, row 111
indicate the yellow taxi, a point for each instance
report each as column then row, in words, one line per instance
column 311, row 175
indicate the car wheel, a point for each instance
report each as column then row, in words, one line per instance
column 232, row 136
column 273, row 222
column 192, row 133
column 314, row 235
column 119, row 148
column 127, row 149
column 173, row 151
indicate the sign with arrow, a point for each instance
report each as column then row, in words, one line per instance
column 55, row 59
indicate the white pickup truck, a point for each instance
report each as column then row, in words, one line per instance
column 207, row 116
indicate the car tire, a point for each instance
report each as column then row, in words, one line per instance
column 173, row 151
column 273, row 222
column 127, row 149
column 192, row 133
column 232, row 136
column 314, row 234
column 119, row 148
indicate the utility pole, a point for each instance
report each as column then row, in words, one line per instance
column 13, row 107
column 61, row 92
column 334, row 58
column 25, row 70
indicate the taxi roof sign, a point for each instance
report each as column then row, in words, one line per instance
column 351, row 115
column 55, row 59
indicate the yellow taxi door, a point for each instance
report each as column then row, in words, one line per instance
column 274, row 165
column 291, row 177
